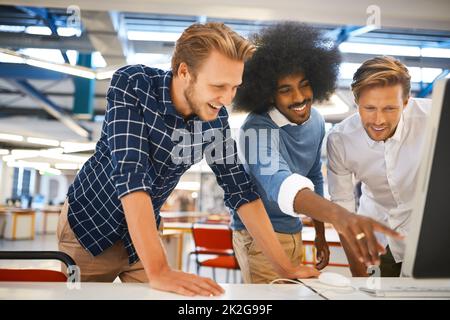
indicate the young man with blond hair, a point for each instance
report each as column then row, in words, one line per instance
column 109, row 224
column 379, row 146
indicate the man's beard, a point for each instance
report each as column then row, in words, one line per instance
column 190, row 99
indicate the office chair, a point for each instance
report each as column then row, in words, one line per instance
column 36, row 275
column 214, row 240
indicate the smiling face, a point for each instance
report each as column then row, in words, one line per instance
column 213, row 86
column 380, row 109
column 293, row 98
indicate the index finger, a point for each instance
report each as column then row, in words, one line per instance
column 387, row 231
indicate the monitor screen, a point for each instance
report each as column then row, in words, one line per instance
column 428, row 242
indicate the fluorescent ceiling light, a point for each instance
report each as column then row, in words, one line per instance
column 70, row 147
column 55, row 150
column 427, row 75
column 379, row 49
column 63, row 157
column 382, row 49
column 67, row 166
column 28, row 164
column 435, row 52
column 6, row 28
column 6, row 58
column 38, row 30
column 79, row 71
column 63, row 68
column 58, row 67
column 50, row 171
column 153, row 36
column 49, row 55
column 24, row 152
column 45, row 142
column 68, row 32
column 10, row 137
column 20, row 154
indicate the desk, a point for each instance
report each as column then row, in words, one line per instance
column 141, row 291
column 17, row 223
column 384, row 283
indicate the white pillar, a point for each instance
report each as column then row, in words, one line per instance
column 6, row 181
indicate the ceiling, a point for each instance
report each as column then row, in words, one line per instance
column 113, row 29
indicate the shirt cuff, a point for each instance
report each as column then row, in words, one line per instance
column 131, row 182
column 289, row 189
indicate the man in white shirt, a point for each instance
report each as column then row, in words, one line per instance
column 380, row 147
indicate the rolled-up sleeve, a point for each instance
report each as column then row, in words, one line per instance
column 230, row 174
column 340, row 178
column 270, row 169
column 127, row 137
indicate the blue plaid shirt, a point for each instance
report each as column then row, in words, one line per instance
column 135, row 152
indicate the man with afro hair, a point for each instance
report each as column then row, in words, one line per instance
column 292, row 67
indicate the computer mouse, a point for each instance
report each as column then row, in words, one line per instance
column 334, row 279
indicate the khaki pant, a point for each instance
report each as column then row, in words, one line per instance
column 106, row 267
column 255, row 267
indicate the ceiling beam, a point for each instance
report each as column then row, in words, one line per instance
column 16, row 40
column 432, row 14
column 106, row 33
column 49, row 106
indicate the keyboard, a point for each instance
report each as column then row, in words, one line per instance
column 409, row 291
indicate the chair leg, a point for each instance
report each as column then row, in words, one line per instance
column 228, row 275
column 188, row 262
column 198, row 269
column 214, row 273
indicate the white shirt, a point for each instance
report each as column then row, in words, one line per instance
column 387, row 170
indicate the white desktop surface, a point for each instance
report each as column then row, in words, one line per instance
column 141, row 291
column 334, row 293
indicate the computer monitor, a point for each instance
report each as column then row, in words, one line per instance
column 428, row 241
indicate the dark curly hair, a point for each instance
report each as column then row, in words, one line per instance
column 286, row 49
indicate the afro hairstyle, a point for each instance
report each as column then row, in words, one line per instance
column 285, row 49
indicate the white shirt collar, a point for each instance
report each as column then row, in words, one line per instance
column 281, row 120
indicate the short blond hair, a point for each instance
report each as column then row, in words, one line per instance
column 198, row 40
column 380, row 72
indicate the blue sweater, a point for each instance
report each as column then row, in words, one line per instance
column 291, row 149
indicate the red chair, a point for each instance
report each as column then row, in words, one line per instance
column 36, row 275
column 214, row 240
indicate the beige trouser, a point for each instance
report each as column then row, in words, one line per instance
column 111, row 263
column 255, row 267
